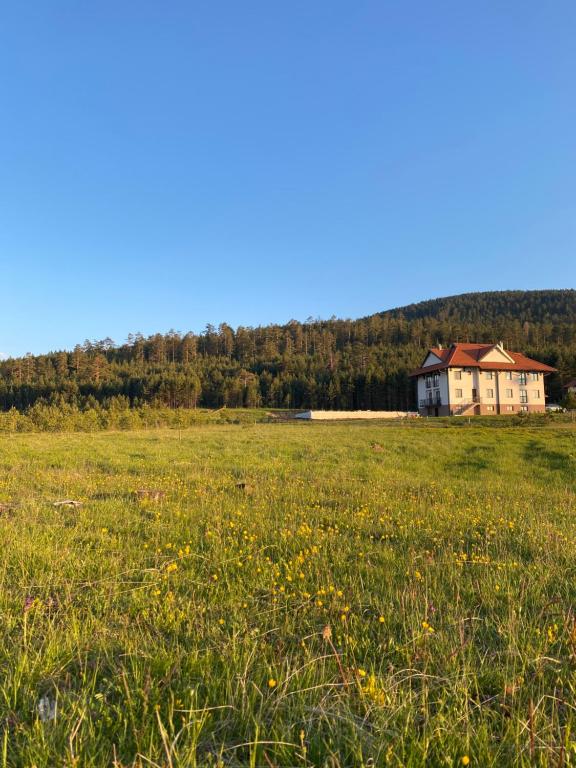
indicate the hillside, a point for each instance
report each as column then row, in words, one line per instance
column 556, row 306
column 333, row 363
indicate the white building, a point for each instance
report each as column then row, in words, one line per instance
column 474, row 379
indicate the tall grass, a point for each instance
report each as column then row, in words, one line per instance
column 319, row 595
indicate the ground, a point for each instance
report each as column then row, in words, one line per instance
column 302, row 595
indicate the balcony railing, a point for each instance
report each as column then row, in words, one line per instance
column 465, row 402
column 430, row 402
column 474, row 401
column 459, row 406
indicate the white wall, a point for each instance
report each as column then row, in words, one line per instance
column 431, row 359
column 499, row 384
column 345, row 415
column 468, row 381
column 442, row 387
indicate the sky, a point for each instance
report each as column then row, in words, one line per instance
column 172, row 164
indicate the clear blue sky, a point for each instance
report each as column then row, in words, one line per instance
column 169, row 164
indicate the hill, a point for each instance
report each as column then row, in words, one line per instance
column 332, row 363
column 558, row 306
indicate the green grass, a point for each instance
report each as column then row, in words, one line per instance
column 411, row 594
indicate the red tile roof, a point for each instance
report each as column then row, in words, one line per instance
column 470, row 356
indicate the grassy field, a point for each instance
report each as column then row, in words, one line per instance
column 368, row 596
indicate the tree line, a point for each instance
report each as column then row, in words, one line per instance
column 332, row 364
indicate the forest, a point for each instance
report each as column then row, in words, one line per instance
column 330, row 364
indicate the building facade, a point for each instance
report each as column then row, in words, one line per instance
column 479, row 379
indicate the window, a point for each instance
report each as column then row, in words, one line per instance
column 489, row 375
column 458, row 375
column 428, row 382
column 489, row 407
column 536, row 394
column 509, row 407
column 436, row 379
column 523, row 407
column 508, row 375
column 533, row 377
column 509, row 393
column 522, row 378
column 489, row 393
column 523, row 396
column 458, row 393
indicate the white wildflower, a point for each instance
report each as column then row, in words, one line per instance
column 46, row 709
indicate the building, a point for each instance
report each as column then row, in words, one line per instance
column 479, row 379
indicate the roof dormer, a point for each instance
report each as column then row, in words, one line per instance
column 495, row 354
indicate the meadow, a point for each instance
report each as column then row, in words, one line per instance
column 289, row 595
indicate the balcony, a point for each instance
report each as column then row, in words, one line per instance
column 430, row 402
